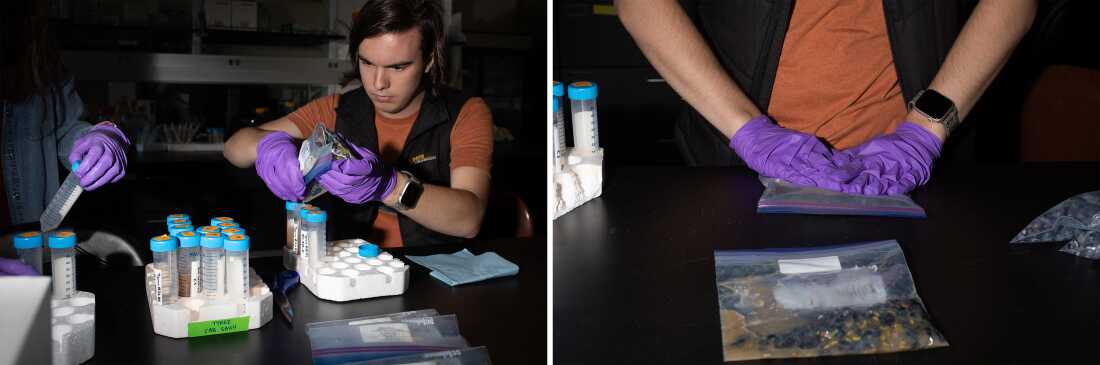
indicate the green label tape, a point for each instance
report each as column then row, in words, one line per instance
column 217, row 326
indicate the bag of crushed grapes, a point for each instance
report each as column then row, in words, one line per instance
column 822, row 301
column 783, row 197
column 316, row 156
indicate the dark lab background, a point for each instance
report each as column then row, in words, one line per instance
column 181, row 76
column 1044, row 105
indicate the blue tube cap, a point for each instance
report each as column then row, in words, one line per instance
column 582, row 90
column 162, row 243
column 31, row 239
column 290, row 206
column 227, row 225
column 211, row 240
column 172, row 230
column 558, row 89
column 62, row 239
column 178, row 221
column 187, row 239
column 206, row 229
column 368, row 250
column 237, row 242
column 316, row 216
column 178, row 216
column 214, row 221
column 233, row 231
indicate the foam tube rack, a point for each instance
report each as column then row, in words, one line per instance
column 73, row 328
column 579, row 181
column 345, row 275
column 201, row 316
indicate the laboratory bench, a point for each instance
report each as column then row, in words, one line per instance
column 507, row 315
column 634, row 275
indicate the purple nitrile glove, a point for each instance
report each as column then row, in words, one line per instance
column 890, row 164
column 15, row 267
column 102, row 155
column 277, row 165
column 786, row 154
column 359, row 181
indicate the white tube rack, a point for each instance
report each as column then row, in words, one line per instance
column 173, row 320
column 579, row 181
column 73, row 328
column 344, row 276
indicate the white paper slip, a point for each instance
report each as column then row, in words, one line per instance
column 809, row 265
column 386, row 332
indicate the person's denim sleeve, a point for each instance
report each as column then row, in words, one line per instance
column 71, row 126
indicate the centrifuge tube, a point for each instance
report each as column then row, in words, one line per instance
column 164, row 269
column 213, row 264
column 236, row 262
column 586, row 126
column 28, row 246
column 189, row 268
column 63, row 263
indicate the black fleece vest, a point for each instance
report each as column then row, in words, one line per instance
column 427, row 155
column 747, row 37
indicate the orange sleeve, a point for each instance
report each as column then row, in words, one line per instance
column 472, row 136
column 321, row 110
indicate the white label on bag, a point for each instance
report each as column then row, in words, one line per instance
column 425, row 321
column 810, row 265
column 386, row 332
column 369, row 321
column 846, row 289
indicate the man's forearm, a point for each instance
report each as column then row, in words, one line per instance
column 994, row 29
column 670, row 41
column 240, row 149
column 442, row 209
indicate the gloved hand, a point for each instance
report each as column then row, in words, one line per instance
column 277, row 165
column 890, row 164
column 359, row 181
column 15, row 267
column 102, row 155
column 786, row 154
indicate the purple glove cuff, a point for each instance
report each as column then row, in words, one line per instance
column 743, row 137
column 391, row 173
column 112, row 130
column 274, row 137
column 913, row 132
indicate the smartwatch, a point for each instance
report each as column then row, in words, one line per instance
column 410, row 193
column 937, row 108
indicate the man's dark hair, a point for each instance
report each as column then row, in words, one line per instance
column 379, row 17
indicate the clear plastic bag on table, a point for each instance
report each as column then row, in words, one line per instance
column 468, row 356
column 375, row 338
column 316, row 156
column 374, row 319
column 1076, row 220
column 783, row 197
column 822, row 301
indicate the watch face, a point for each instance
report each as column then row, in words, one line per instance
column 411, row 195
column 934, row 104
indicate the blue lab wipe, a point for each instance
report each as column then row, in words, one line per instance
column 463, row 267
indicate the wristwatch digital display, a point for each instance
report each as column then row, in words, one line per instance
column 937, row 108
column 410, row 193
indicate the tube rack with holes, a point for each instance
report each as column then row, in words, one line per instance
column 193, row 316
column 579, row 181
column 73, row 328
column 344, row 276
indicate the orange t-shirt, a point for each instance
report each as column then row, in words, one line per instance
column 471, row 145
column 836, row 76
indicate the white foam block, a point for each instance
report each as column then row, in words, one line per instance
column 344, row 276
column 580, row 181
column 73, row 328
column 171, row 320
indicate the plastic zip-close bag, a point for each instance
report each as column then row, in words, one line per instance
column 1076, row 220
column 835, row 300
column 316, row 156
column 469, row 356
column 783, row 197
column 369, row 338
